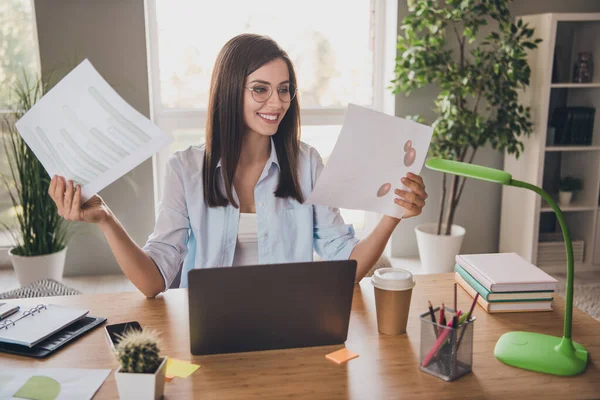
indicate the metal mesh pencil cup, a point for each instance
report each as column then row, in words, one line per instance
column 446, row 352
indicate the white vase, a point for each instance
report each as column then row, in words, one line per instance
column 30, row 269
column 142, row 386
column 438, row 252
column 564, row 198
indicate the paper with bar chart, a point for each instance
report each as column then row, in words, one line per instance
column 83, row 130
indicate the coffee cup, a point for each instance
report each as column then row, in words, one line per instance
column 393, row 291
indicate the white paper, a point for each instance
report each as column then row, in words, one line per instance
column 75, row 383
column 373, row 152
column 83, row 130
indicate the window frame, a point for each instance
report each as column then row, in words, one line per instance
column 384, row 20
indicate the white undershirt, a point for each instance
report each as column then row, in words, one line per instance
column 246, row 248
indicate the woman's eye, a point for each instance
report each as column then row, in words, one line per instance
column 260, row 89
column 284, row 90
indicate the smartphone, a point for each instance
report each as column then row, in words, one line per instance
column 113, row 332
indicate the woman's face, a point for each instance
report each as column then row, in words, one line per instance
column 264, row 117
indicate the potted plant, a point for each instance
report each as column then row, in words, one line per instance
column 41, row 242
column 142, row 371
column 566, row 187
column 478, row 76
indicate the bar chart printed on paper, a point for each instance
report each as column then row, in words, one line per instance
column 83, row 130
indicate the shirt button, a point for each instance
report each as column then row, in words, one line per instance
column 264, row 235
column 260, row 204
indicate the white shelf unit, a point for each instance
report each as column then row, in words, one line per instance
column 525, row 216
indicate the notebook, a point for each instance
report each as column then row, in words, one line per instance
column 504, row 306
column 506, row 272
column 29, row 326
column 506, row 296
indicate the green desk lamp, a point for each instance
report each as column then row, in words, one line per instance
column 528, row 350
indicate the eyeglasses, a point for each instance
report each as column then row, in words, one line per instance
column 262, row 92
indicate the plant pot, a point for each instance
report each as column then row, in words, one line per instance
column 142, row 386
column 30, row 269
column 438, row 252
column 564, row 198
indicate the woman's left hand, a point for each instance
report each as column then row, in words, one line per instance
column 412, row 200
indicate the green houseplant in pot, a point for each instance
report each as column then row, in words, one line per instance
column 566, row 187
column 476, row 55
column 142, row 371
column 41, row 240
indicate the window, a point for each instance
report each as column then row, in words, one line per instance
column 19, row 58
column 340, row 49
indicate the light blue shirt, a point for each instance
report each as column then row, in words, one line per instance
column 188, row 234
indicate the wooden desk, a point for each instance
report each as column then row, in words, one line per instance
column 387, row 366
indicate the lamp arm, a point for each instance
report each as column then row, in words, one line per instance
column 569, row 247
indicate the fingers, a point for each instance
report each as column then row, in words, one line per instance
column 68, row 198
column 415, row 186
column 415, row 177
column 76, row 206
column 409, row 206
column 59, row 195
column 410, row 197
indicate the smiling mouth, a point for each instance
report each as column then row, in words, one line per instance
column 270, row 118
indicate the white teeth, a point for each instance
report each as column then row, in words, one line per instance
column 269, row 117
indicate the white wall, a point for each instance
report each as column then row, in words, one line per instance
column 479, row 207
column 111, row 34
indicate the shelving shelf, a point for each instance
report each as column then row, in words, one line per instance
column 572, row 148
column 569, row 85
column 525, row 217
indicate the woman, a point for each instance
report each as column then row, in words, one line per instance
column 238, row 199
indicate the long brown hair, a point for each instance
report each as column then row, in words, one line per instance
column 225, row 126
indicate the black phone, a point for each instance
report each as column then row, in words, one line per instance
column 114, row 331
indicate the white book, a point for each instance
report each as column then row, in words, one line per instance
column 29, row 326
column 506, row 272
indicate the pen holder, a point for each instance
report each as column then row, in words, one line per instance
column 446, row 352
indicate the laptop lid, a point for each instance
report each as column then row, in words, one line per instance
column 274, row 306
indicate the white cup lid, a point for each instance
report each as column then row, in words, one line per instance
column 393, row 279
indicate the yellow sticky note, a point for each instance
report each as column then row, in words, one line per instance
column 179, row 368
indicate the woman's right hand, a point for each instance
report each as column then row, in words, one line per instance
column 67, row 197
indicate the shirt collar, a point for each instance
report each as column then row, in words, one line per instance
column 272, row 158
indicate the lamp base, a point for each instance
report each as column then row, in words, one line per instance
column 541, row 353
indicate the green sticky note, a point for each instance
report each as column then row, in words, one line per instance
column 39, row 388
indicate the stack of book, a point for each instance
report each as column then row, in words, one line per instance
column 506, row 282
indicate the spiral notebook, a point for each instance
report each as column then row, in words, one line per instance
column 29, row 326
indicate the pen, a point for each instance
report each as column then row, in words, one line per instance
column 462, row 334
column 455, row 306
column 9, row 312
column 442, row 317
column 432, row 314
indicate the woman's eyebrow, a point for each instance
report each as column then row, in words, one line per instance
column 261, row 81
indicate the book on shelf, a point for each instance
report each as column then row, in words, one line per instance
column 503, row 306
column 503, row 296
column 506, row 272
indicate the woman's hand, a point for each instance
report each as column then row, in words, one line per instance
column 67, row 197
column 414, row 200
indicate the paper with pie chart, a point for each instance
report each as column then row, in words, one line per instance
column 83, row 130
column 373, row 152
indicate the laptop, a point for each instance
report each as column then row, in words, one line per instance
column 272, row 306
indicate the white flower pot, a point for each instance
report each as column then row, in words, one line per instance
column 142, row 386
column 30, row 269
column 438, row 252
column 564, row 198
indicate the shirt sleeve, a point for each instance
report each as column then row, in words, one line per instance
column 333, row 239
column 167, row 245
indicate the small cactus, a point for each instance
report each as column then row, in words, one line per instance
column 138, row 352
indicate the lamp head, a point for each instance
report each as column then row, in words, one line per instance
column 469, row 170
